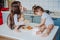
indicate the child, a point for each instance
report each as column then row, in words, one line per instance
column 15, row 18
column 46, row 24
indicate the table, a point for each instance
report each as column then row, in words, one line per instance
column 25, row 35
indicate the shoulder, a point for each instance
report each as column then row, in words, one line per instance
column 44, row 15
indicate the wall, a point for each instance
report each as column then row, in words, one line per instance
column 52, row 5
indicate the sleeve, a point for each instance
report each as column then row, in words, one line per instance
column 15, row 20
column 21, row 20
column 44, row 16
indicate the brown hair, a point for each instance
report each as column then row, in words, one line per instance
column 33, row 6
column 13, row 12
column 39, row 7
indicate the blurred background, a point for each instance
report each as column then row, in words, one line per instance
column 52, row 7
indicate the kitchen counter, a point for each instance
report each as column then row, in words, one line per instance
column 54, row 15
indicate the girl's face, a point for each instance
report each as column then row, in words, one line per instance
column 38, row 12
column 20, row 6
column 15, row 8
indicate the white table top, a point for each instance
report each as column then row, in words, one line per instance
column 25, row 35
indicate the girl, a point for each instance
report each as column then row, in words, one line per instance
column 46, row 24
column 15, row 19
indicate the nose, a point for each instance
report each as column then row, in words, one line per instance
column 15, row 8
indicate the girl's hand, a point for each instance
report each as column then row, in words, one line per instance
column 16, row 30
column 37, row 25
column 38, row 32
column 27, row 21
column 46, row 33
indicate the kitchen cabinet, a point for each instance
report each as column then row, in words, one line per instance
column 36, row 19
column 57, row 23
column 28, row 17
column 32, row 18
column 5, row 15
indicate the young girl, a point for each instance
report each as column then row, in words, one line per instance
column 46, row 24
column 15, row 19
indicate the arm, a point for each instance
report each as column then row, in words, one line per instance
column 43, row 19
column 42, row 22
column 22, row 18
column 15, row 20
